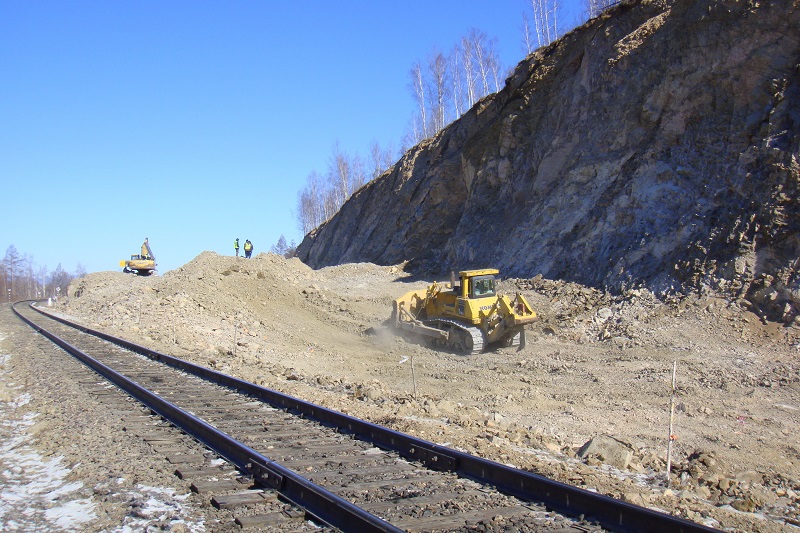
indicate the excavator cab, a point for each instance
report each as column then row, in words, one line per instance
column 143, row 264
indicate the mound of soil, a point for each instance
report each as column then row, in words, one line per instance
column 585, row 401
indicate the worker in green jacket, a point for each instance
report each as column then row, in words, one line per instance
column 236, row 246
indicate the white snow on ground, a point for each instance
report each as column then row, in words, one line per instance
column 154, row 509
column 34, row 495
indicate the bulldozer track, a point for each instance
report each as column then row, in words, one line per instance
column 470, row 341
column 287, row 461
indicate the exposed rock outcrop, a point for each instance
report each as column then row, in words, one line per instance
column 656, row 145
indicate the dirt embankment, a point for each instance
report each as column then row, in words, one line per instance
column 595, row 368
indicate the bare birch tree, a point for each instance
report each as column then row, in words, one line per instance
column 13, row 264
column 339, row 175
column 418, row 89
column 480, row 52
column 468, row 63
column 595, row 7
column 330, row 203
column 41, row 277
column 546, row 20
column 414, row 133
column 379, row 159
column 452, row 84
column 527, row 38
column 31, row 283
column 358, row 174
column 310, row 204
column 437, row 68
column 494, row 65
column 321, row 198
column 457, row 96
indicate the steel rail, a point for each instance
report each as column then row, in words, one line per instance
column 610, row 513
column 317, row 501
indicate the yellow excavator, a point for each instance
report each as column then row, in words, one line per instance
column 466, row 315
column 143, row 264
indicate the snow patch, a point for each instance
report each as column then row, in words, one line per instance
column 35, row 495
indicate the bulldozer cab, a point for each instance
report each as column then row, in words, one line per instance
column 477, row 283
column 482, row 287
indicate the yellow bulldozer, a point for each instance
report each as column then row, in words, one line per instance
column 143, row 264
column 466, row 315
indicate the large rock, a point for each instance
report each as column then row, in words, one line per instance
column 656, row 145
column 609, row 450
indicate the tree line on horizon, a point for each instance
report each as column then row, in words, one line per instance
column 22, row 279
column 444, row 87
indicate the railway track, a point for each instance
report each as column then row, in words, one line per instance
column 284, row 457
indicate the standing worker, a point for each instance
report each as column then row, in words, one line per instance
column 236, row 246
column 248, row 248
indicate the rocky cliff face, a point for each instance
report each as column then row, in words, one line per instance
column 657, row 145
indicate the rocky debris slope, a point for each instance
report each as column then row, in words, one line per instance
column 656, row 146
column 585, row 401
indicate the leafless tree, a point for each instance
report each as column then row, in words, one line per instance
column 415, row 132
column 59, row 280
column 494, row 67
column 279, row 247
column 469, row 70
column 380, row 159
column 286, row 250
column 283, row 249
column 546, row 20
column 41, row 277
column 312, row 203
column 339, row 174
column 330, row 204
column 12, row 262
column 321, row 198
column 358, row 174
column 595, row 7
column 481, row 50
column 31, row 284
column 457, row 81
column 527, row 39
column 303, row 212
column 418, row 88
column 452, row 84
column 22, row 279
column 437, row 68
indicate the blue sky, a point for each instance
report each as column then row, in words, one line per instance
column 195, row 122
